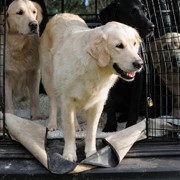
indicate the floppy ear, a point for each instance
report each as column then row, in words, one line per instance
column 98, row 49
column 39, row 12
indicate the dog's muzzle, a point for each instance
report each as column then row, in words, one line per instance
column 33, row 26
column 129, row 76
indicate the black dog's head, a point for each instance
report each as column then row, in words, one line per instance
column 130, row 12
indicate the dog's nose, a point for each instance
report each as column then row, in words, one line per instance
column 33, row 25
column 138, row 64
column 151, row 27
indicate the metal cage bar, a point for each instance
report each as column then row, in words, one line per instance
column 165, row 14
column 163, row 73
column 2, row 65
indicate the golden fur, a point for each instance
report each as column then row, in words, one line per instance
column 77, row 71
column 22, row 73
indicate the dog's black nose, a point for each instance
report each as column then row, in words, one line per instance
column 151, row 27
column 33, row 26
column 138, row 64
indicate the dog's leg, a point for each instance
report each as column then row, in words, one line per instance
column 8, row 95
column 111, row 123
column 33, row 81
column 68, row 117
column 136, row 92
column 77, row 126
column 93, row 116
column 52, row 125
column 46, row 71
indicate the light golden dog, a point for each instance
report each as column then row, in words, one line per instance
column 22, row 73
column 79, row 66
column 166, row 57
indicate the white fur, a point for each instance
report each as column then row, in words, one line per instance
column 164, row 51
column 77, row 71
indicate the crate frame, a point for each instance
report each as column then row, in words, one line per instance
column 2, row 65
column 164, row 15
column 146, row 53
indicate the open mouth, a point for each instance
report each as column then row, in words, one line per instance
column 125, row 75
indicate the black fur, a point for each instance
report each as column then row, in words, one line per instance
column 130, row 12
column 125, row 97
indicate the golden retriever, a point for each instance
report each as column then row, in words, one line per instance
column 22, row 72
column 166, row 57
column 79, row 66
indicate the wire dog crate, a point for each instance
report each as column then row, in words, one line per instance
column 2, row 66
column 161, row 89
column 163, row 69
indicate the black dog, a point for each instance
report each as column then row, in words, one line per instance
column 125, row 97
column 130, row 12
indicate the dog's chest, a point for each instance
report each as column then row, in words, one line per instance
column 22, row 57
column 89, row 92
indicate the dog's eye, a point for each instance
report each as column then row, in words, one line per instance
column 134, row 43
column 134, row 12
column 34, row 12
column 20, row 12
column 121, row 46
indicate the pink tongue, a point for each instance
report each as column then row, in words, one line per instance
column 131, row 74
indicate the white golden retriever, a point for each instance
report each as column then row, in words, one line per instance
column 166, row 57
column 22, row 72
column 79, row 66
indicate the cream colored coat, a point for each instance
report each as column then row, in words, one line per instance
column 77, row 71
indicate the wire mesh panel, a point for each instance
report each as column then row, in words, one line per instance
column 162, row 54
column 87, row 9
column 163, row 69
column 2, row 66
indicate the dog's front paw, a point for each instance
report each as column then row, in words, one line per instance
column 52, row 127
column 70, row 156
column 78, row 128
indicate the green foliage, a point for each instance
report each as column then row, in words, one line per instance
column 76, row 7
